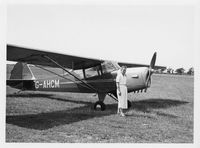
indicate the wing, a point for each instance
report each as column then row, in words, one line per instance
column 140, row 65
column 36, row 57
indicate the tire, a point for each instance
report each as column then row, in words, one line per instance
column 102, row 105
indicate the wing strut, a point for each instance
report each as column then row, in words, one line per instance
column 89, row 86
column 112, row 96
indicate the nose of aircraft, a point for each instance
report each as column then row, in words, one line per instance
column 140, row 77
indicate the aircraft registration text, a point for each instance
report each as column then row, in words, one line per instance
column 47, row 84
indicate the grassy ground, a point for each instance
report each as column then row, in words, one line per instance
column 162, row 115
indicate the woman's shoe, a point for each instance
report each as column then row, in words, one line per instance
column 122, row 114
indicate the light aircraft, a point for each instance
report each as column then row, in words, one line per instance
column 97, row 76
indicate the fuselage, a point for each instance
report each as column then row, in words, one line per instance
column 136, row 80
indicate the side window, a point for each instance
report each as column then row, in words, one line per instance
column 91, row 72
column 79, row 73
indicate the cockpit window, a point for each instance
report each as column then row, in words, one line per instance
column 107, row 66
column 91, row 72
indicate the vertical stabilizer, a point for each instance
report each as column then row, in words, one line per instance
column 22, row 71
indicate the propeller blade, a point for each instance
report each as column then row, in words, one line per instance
column 153, row 61
column 151, row 69
column 148, row 80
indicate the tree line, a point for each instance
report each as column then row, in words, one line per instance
column 179, row 71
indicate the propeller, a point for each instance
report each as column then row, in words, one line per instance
column 151, row 69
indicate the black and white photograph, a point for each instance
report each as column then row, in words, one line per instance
column 101, row 72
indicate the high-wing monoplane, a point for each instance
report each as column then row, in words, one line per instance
column 82, row 75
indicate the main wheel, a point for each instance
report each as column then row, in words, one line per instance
column 129, row 104
column 101, row 104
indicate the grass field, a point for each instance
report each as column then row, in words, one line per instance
column 162, row 115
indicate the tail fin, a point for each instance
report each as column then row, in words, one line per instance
column 22, row 71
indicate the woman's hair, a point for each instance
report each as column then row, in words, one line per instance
column 123, row 67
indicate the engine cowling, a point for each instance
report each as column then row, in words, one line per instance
column 138, row 79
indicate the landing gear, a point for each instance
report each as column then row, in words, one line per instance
column 101, row 104
column 102, row 96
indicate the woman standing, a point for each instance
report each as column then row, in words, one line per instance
column 121, row 90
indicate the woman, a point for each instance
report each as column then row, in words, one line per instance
column 121, row 90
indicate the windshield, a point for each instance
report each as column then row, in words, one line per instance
column 109, row 66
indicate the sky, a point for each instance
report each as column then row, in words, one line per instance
column 128, row 33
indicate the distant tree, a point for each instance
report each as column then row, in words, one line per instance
column 162, row 70
column 170, row 70
column 180, row 71
column 191, row 71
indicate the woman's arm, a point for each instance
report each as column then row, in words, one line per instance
column 118, row 88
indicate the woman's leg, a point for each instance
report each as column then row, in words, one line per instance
column 121, row 112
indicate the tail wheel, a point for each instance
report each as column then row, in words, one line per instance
column 101, row 104
column 129, row 104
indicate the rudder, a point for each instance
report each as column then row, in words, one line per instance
column 21, row 71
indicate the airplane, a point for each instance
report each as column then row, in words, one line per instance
column 82, row 75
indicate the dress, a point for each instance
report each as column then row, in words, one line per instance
column 122, row 99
